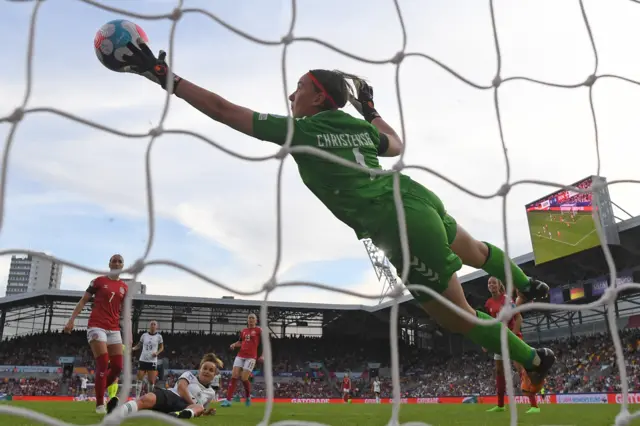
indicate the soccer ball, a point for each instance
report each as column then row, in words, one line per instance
column 111, row 42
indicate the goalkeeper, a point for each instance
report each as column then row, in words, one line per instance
column 364, row 201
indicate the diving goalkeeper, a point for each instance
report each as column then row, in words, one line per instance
column 365, row 202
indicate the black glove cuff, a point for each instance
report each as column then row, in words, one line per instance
column 369, row 112
column 176, row 80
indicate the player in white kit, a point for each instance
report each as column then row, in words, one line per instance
column 152, row 345
column 83, row 385
column 376, row 389
column 190, row 396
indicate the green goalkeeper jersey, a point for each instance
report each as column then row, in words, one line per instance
column 353, row 196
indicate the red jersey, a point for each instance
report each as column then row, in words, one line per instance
column 250, row 338
column 108, row 297
column 493, row 307
column 346, row 383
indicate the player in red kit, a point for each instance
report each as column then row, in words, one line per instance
column 346, row 387
column 250, row 351
column 103, row 328
column 493, row 306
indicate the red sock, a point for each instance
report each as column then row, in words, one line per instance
column 501, row 385
column 231, row 389
column 247, row 388
column 102, row 363
column 345, row 397
column 115, row 368
column 533, row 400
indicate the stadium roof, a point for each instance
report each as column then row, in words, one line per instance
column 73, row 296
column 590, row 264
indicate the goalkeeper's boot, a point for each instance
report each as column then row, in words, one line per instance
column 535, row 291
column 247, row 401
column 225, row 403
column 112, row 404
column 496, row 409
column 538, row 373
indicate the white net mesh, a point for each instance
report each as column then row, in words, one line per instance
column 608, row 298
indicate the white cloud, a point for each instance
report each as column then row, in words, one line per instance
column 450, row 126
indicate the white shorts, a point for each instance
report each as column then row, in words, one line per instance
column 102, row 335
column 345, row 390
column 244, row 363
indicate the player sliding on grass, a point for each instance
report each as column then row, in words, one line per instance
column 493, row 306
column 364, row 201
column 190, row 396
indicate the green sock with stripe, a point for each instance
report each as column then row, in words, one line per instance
column 488, row 336
column 494, row 266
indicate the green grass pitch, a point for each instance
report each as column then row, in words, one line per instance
column 576, row 234
column 83, row 413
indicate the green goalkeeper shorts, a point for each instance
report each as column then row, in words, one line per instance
column 430, row 231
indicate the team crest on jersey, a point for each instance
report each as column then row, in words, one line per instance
column 122, row 291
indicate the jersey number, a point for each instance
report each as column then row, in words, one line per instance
column 149, row 347
column 360, row 160
column 113, row 293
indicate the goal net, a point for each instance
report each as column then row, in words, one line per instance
column 608, row 298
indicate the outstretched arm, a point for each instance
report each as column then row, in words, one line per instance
column 216, row 107
column 261, row 126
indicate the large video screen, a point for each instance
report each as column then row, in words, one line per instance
column 561, row 223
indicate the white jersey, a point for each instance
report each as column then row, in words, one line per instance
column 200, row 393
column 376, row 386
column 216, row 380
column 150, row 344
column 83, row 382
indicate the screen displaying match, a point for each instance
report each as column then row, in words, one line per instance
column 561, row 223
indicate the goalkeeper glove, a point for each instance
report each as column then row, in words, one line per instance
column 364, row 101
column 143, row 62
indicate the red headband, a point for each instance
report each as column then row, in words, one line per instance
column 322, row 89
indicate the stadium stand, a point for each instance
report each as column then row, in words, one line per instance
column 315, row 344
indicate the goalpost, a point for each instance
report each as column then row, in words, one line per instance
column 608, row 298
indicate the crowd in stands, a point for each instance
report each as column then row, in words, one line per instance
column 28, row 386
column 585, row 364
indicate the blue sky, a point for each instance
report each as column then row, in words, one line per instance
column 79, row 193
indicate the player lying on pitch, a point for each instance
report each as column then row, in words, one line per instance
column 190, row 396
column 364, row 201
column 493, row 306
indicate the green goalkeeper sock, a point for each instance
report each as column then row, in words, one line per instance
column 494, row 266
column 488, row 336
